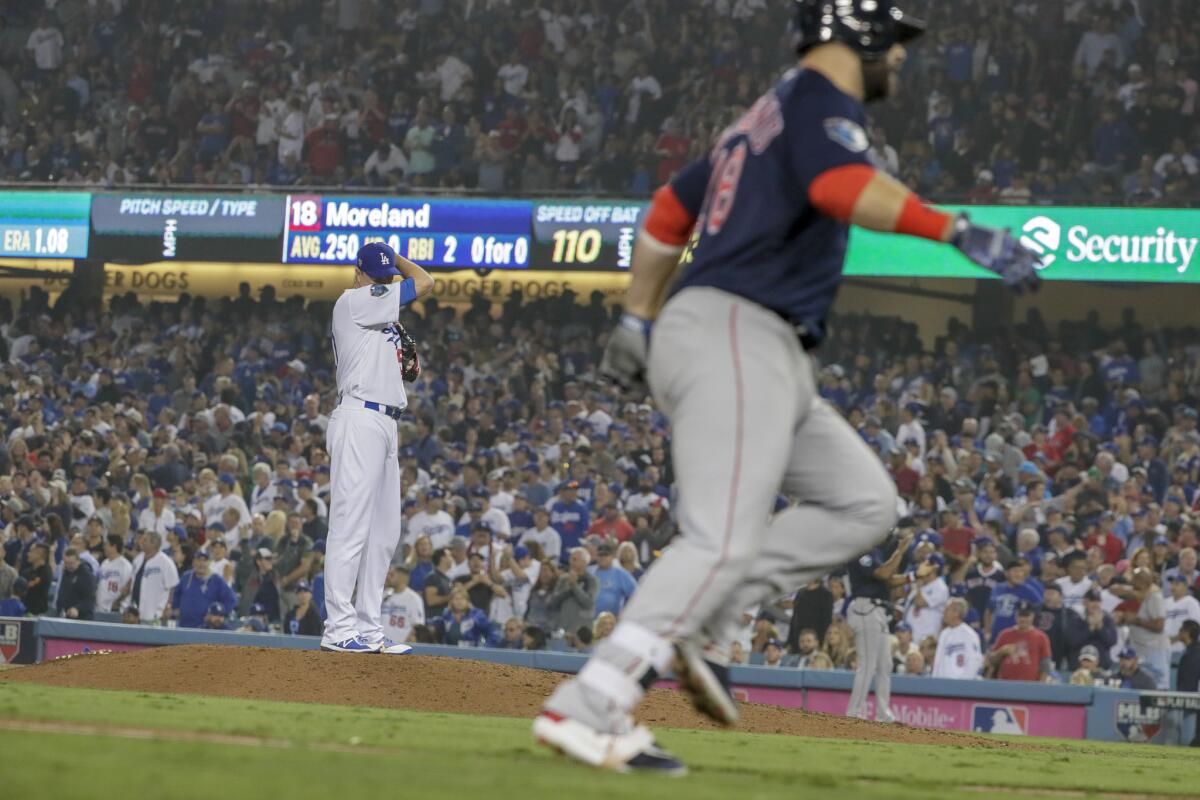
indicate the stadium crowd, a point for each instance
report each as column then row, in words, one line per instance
column 166, row 463
column 1087, row 101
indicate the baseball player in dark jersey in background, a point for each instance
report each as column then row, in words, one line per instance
column 759, row 228
column 872, row 578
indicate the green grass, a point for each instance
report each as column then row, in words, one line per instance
column 340, row 753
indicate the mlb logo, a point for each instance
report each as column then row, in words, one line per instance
column 10, row 642
column 1013, row 720
column 1136, row 723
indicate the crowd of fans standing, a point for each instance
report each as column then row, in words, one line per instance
column 1079, row 101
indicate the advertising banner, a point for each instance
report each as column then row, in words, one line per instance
column 1110, row 245
column 17, row 642
column 166, row 280
column 1076, row 244
column 966, row 714
column 57, row 648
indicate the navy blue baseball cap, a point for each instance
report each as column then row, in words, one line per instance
column 258, row 609
column 303, row 586
column 216, row 609
column 377, row 260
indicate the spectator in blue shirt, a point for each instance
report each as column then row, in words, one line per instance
column 1002, row 608
column 13, row 606
column 616, row 585
column 198, row 589
column 461, row 622
column 569, row 516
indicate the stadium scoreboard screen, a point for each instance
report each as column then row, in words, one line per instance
column 143, row 228
column 586, row 235
column 449, row 234
column 44, row 224
column 463, row 233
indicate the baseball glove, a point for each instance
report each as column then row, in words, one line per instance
column 410, row 360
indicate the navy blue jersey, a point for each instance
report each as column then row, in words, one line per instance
column 756, row 233
column 863, row 582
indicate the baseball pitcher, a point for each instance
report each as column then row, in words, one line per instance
column 374, row 356
column 759, row 228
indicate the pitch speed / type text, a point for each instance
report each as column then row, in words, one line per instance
column 427, row 249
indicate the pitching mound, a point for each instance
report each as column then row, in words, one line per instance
column 451, row 685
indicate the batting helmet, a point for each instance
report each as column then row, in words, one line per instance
column 871, row 27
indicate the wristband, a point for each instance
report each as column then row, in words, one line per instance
column 636, row 324
column 918, row 219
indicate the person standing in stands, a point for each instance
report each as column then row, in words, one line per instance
column 77, row 588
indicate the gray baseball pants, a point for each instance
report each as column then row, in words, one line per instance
column 872, row 645
column 747, row 422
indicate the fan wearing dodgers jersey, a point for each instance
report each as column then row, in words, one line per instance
column 403, row 609
column 959, row 654
column 434, row 521
column 369, row 348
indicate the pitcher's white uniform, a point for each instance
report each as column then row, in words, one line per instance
column 362, row 437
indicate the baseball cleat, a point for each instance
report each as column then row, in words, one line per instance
column 352, row 645
column 388, row 647
column 635, row 751
column 706, row 683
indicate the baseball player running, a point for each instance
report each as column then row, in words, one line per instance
column 374, row 356
column 765, row 219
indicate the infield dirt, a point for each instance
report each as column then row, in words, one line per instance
column 421, row 683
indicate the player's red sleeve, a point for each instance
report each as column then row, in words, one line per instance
column 918, row 219
column 836, row 192
column 668, row 221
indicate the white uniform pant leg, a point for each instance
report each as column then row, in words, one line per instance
column 734, row 381
column 382, row 541
column 847, row 506
column 357, row 449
